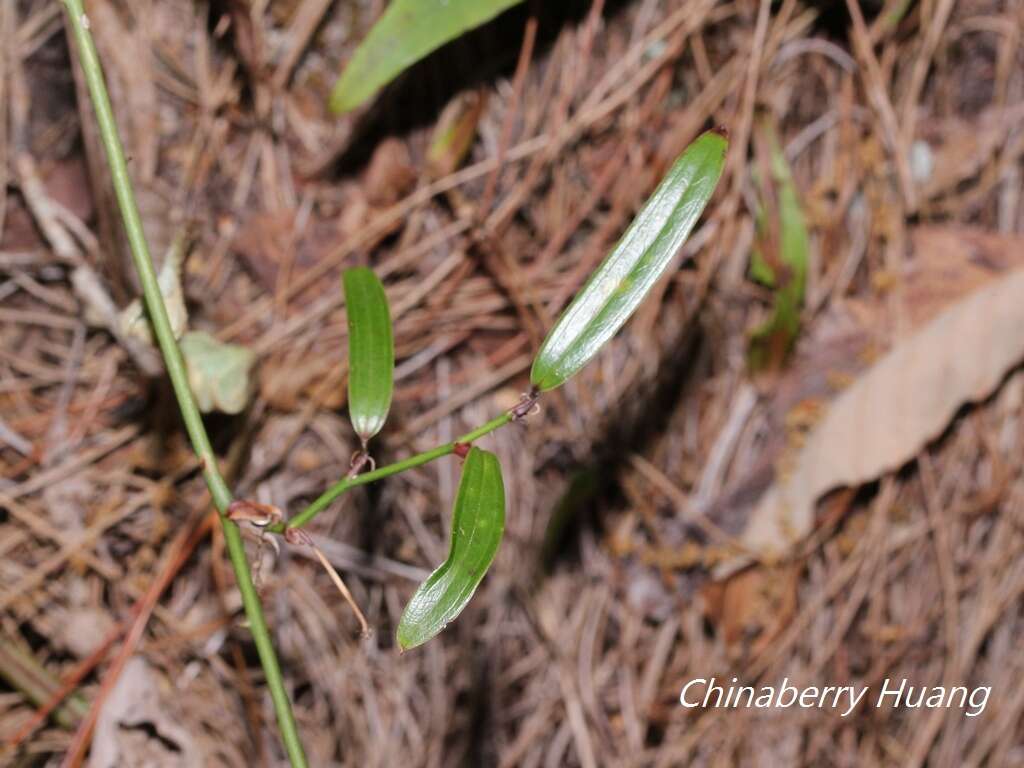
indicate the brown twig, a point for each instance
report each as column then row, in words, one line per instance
column 518, row 80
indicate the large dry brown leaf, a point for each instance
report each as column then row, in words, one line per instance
column 907, row 398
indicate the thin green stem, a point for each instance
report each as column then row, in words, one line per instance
column 179, row 378
column 419, row 459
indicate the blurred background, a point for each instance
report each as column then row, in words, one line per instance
column 799, row 460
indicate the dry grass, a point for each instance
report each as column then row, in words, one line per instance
column 575, row 648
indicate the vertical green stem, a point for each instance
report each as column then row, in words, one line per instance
column 179, row 378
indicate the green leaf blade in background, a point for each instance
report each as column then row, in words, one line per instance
column 783, row 236
column 478, row 524
column 622, row 280
column 406, row 32
column 371, row 352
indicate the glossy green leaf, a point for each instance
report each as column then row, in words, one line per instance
column 477, row 527
column 619, row 284
column 406, row 32
column 371, row 352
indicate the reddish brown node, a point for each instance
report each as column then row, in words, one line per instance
column 297, row 537
column 252, row 512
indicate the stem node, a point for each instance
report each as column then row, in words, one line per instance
column 528, row 405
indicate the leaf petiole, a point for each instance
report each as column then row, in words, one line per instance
column 336, row 490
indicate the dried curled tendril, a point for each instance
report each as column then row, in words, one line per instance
column 263, row 515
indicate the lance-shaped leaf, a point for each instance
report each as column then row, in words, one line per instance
column 622, row 280
column 477, row 527
column 406, row 32
column 371, row 352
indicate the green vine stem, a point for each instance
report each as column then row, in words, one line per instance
column 176, row 370
column 324, row 500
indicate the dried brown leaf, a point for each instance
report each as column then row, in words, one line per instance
column 904, row 400
column 390, row 173
column 455, row 133
column 754, row 604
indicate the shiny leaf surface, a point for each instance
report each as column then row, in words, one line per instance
column 477, row 527
column 371, row 352
column 619, row 284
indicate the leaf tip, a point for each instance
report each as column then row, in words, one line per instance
column 722, row 131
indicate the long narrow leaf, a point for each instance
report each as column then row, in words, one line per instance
column 622, row 280
column 406, row 32
column 371, row 352
column 477, row 527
